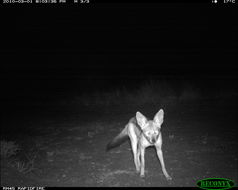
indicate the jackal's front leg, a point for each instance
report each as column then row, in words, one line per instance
column 135, row 155
column 142, row 169
column 161, row 158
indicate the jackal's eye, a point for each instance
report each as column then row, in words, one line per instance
column 156, row 132
column 148, row 133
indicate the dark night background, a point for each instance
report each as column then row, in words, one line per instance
column 58, row 57
column 54, row 48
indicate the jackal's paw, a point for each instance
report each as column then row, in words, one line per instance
column 142, row 175
column 168, row 178
column 137, row 170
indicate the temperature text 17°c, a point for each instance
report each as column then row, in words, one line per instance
column 229, row 1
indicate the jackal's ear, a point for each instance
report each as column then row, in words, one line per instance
column 159, row 117
column 141, row 119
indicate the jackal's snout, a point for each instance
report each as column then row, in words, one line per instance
column 153, row 140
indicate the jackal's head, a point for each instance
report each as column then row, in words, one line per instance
column 150, row 128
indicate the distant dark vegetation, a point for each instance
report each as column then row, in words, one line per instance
column 93, row 92
column 162, row 92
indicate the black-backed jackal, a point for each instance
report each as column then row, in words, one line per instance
column 143, row 133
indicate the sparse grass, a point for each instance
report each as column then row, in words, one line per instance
column 8, row 149
column 25, row 167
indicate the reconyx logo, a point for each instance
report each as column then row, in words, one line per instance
column 215, row 183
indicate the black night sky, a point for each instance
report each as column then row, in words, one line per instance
column 117, row 42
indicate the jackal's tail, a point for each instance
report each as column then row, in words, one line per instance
column 118, row 140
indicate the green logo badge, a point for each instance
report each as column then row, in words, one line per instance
column 215, row 183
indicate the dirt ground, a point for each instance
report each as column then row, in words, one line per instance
column 199, row 141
